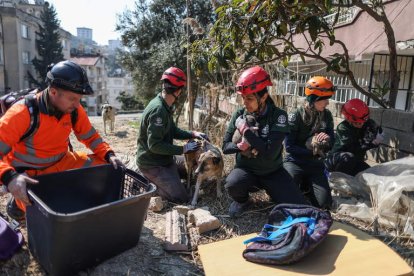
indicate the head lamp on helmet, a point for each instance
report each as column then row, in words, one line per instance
column 253, row 80
column 69, row 76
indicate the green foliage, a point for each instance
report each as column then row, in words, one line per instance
column 156, row 37
column 129, row 102
column 261, row 31
column 48, row 45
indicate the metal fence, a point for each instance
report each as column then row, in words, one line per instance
column 292, row 80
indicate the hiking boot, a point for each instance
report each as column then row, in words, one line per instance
column 236, row 208
column 14, row 211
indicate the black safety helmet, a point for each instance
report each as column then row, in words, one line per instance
column 70, row 76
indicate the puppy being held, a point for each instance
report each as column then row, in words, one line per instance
column 207, row 164
column 319, row 144
column 108, row 115
column 238, row 137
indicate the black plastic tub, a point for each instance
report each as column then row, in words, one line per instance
column 82, row 217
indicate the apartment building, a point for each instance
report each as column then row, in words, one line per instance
column 116, row 85
column 368, row 48
column 19, row 21
column 97, row 76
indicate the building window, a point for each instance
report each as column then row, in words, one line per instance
column 25, row 31
column 64, row 44
column 26, row 57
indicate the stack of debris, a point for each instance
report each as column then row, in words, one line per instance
column 184, row 226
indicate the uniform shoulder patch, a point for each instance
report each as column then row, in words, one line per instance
column 292, row 117
column 158, row 121
column 281, row 120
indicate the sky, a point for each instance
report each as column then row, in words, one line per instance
column 98, row 15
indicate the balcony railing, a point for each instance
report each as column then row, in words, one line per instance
column 346, row 16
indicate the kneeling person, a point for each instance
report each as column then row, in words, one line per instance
column 157, row 157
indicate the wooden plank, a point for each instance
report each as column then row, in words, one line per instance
column 346, row 251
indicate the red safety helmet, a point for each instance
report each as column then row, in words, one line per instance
column 355, row 111
column 175, row 75
column 319, row 86
column 253, row 80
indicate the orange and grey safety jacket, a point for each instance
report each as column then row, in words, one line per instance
column 48, row 144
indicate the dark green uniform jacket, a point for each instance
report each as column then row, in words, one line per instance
column 156, row 134
column 350, row 139
column 295, row 142
column 273, row 127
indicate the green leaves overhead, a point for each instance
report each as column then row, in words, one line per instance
column 157, row 39
column 48, row 45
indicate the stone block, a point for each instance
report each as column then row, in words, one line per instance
column 405, row 121
column 182, row 209
column 376, row 114
column 390, row 118
column 156, row 204
column 203, row 220
column 176, row 238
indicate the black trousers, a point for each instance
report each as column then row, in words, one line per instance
column 345, row 162
column 278, row 185
column 311, row 178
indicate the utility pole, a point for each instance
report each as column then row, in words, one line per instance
column 190, row 93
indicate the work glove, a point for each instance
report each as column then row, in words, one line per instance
column 191, row 147
column 379, row 138
column 200, row 135
column 17, row 187
column 243, row 145
column 241, row 124
column 115, row 161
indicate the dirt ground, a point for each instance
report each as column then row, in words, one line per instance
column 148, row 256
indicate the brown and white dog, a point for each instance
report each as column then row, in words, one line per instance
column 108, row 115
column 205, row 163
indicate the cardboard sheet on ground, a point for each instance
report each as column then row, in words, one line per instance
column 346, row 251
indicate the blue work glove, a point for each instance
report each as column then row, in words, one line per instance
column 191, row 147
column 241, row 124
column 200, row 135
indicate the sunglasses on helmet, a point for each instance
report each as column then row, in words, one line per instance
column 240, row 88
column 173, row 75
column 310, row 87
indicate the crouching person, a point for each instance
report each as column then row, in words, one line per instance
column 157, row 157
column 45, row 150
column 354, row 136
column 265, row 169
column 311, row 122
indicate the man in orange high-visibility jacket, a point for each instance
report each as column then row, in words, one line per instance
column 46, row 150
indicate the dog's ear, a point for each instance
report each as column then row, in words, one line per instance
column 102, row 107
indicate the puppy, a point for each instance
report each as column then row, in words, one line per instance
column 370, row 131
column 237, row 137
column 318, row 148
column 206, row 163
column 108, row 115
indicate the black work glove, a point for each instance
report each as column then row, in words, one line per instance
column 191, row 147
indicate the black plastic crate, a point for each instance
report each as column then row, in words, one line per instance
column 81, row 217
